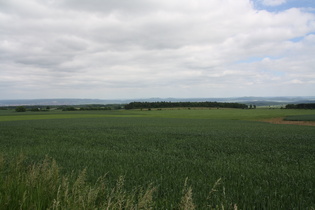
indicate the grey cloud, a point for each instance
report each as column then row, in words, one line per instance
column 108, row 6
column 101, row 46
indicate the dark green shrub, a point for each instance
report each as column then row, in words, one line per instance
column 20, row 109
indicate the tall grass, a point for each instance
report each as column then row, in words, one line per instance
column 42, row 186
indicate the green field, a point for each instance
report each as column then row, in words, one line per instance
column 260, row 165
column 300, row 118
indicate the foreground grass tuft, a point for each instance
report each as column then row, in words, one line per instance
column 187, row 200
column 42, row 186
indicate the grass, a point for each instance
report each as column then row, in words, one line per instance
column 41, row 186
column 197, row 113
column 16, row 116
column 260, row 165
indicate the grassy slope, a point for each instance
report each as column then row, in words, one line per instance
column 261, row 165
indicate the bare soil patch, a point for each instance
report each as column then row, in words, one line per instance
column 280, row 120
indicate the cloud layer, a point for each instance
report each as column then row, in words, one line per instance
column 151, row 48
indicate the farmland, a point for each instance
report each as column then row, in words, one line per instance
column 300, row 118
column 259, row 165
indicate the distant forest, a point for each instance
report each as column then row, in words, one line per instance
column 300, row 106
column 163, row 104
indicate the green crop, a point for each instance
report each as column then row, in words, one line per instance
column 259, row 165
column 300, row 118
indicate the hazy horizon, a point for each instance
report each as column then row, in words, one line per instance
column 143, row 98
column 106, row 49
column 132, row 98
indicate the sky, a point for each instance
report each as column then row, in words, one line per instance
column 124, row 49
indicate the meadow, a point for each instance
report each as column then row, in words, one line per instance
column 253, row 164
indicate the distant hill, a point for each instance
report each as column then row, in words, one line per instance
column 258, row 101
column 30, row 102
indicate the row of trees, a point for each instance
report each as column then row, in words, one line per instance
column 300, row 106
column 163, row 104
column 31, row 108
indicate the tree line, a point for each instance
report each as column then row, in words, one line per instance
column 163, row 104
column 300, row 106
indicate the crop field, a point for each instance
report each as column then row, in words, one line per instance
column 300, row 118
column 255, row 165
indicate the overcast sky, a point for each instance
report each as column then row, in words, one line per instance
column 124, row 49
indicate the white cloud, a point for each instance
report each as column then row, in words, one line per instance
column 107, row 49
